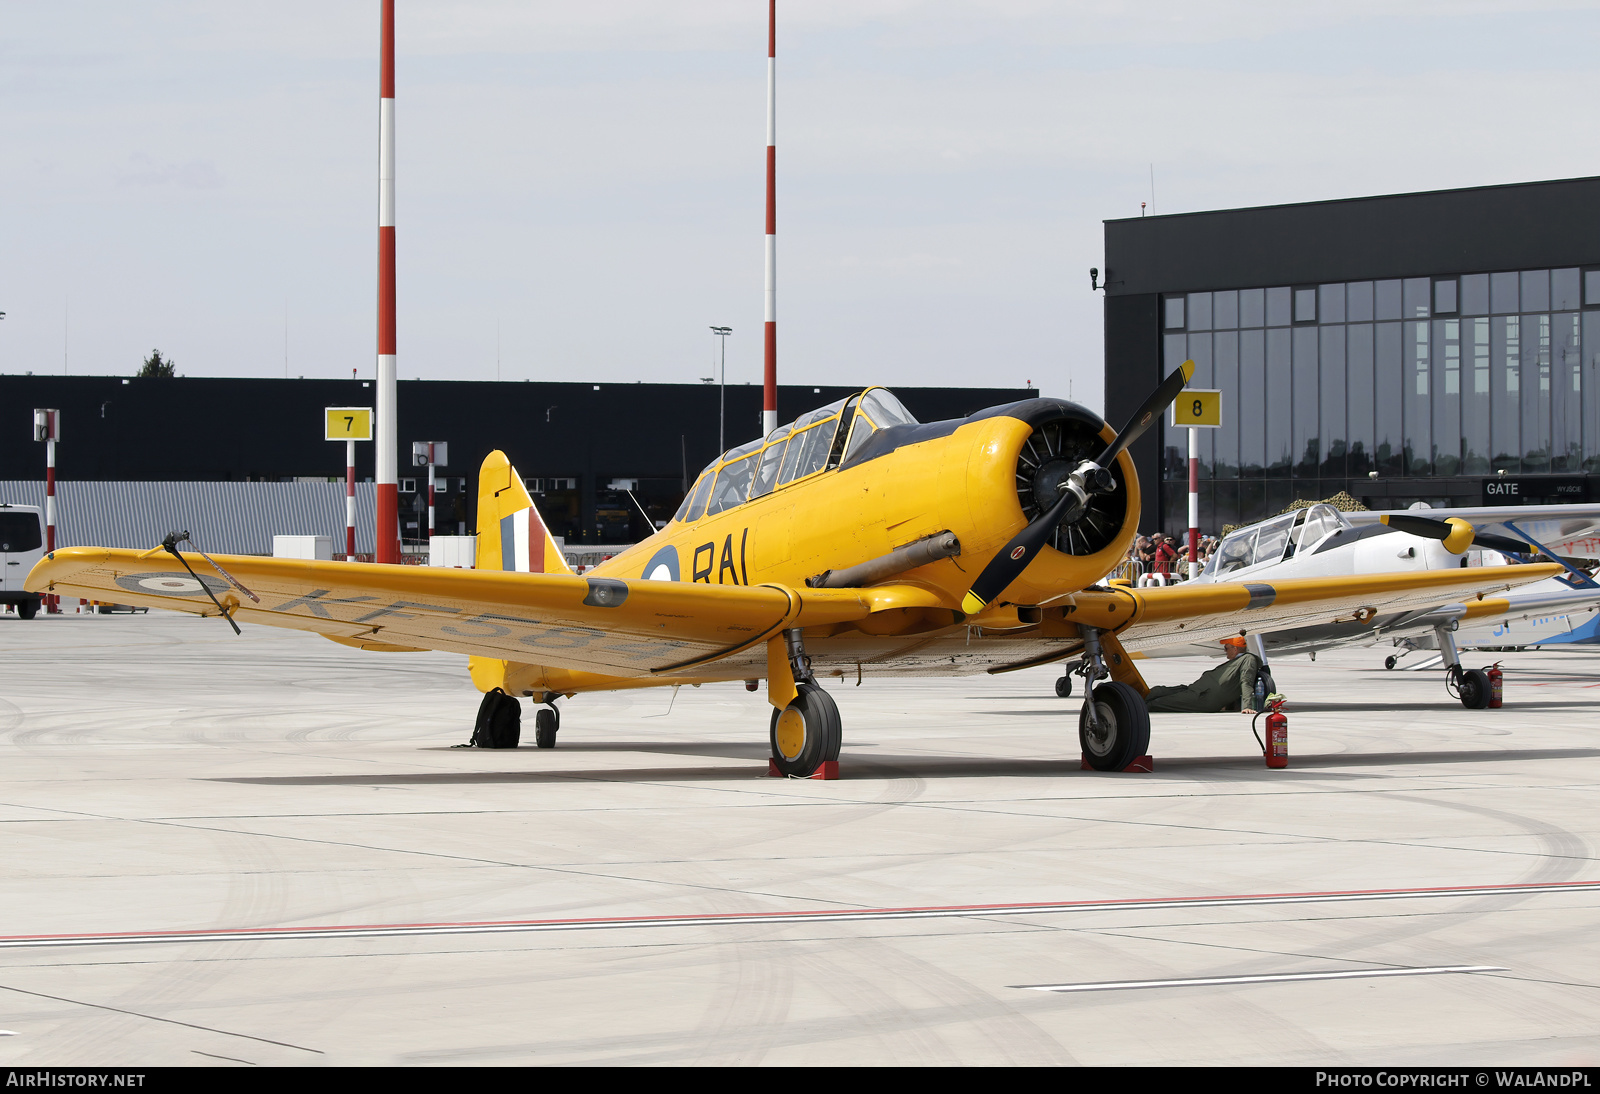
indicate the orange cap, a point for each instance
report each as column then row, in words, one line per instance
column 1235, row 640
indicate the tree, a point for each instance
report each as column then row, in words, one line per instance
column 156, row 368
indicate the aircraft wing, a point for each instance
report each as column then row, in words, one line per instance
column 595, row 624
column 1200, row 613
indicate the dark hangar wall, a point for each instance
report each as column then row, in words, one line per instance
column 208, row 429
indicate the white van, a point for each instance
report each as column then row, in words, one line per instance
column 21, row 545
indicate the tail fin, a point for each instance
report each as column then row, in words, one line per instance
column 511, row 534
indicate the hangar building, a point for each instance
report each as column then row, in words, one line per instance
column 1440, row 347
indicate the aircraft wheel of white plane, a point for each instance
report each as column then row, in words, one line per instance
column 1064, row 687
column 1391, row 661
column 1124, row 732
column 1472, row 688
column 545, row 723
column 806, row 732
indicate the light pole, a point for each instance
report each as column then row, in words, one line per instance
column 722, row 391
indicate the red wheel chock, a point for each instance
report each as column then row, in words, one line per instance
column 827, row 772
column 1143, row 765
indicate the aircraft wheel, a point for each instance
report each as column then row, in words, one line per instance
column 1064, row 687
column 806, row 732
column 1473, row 688
column 545, row 723
column 27, row 609
column 1124, row 733
column 1391, row 661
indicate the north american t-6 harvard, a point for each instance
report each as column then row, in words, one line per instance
column 853, row 542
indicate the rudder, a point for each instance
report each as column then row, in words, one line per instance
column 512, row 536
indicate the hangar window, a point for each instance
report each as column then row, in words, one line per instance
column 1475, row 294
column 1444, row 296
column 1305, row 305
column 1174, row 319
column 1564, row 290
column 1199, row 311
column 1330, row 303
column 1224, row 310
column 1503, row 293
column 1359, row 306
column 1591, row 286
column 1278, row 307
column 1417, row 290
column 1252, row 307
column 1386, row 299
column 1535, row 290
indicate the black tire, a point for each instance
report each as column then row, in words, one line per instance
column 1391, row 661
column 1124, row 733
column 1473, row 687
column 27, row 609
column 545, row 723
column 806, row 732
column 1064, row 687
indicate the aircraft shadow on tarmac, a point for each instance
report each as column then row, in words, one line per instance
column 913, row 767
column 1071, row 707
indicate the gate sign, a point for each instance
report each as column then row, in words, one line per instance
column 348, row 423
column 1197, row 408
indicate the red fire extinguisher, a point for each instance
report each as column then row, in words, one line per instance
column 1495, row 693
column 1275, row 749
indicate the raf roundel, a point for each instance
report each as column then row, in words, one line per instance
column 171, row 584
column 663, row 565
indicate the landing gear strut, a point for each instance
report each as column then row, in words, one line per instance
column 1114, row 725
column 1471, row 686
column 807, row 733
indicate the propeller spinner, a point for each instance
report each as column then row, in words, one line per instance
column 1089, row 478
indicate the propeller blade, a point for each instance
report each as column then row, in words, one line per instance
column 1146, row 415
column 1456, row 534
column 1013, row 558
column 1007, row 565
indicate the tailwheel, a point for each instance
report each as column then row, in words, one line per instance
column 545, row 724
column 1391, row 661
column 806, row 732
column 1123, row 733
column 1064, row 687
column 1471, row 687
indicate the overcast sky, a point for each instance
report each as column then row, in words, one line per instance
column 580, row 184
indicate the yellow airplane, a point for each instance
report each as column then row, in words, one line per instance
column 854, row 541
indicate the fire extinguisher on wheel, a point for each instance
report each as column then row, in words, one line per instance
column 1275, row 749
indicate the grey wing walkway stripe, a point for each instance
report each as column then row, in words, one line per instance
column 1260, row 978
column 847, row 915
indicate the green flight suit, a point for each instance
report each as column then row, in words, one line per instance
column 1229, row 686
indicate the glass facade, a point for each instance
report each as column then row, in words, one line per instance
column 1422, row 378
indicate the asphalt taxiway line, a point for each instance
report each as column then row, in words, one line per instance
column 846, row 915
column 1260, row 978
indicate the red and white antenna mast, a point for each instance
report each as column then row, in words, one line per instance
column 386, row 537
column 769, row 405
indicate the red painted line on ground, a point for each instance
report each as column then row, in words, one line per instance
column 950, row 911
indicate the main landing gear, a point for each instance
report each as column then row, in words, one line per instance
column 545, row 724
column 1471, row 686
column 807, row 733
column 1114, row 725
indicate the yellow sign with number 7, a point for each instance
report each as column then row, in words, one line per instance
column 348, row 423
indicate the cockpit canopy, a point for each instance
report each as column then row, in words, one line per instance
column 1275, row 539
column 809, row 445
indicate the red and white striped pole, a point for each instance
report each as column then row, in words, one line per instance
column 386, row 532
column 769, row 404
column 349, row 501
column 47, row 428
column 1194, row 502
column 431, row 481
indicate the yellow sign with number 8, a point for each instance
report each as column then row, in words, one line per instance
column 1197, row 408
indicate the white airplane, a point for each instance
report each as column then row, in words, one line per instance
column 1321, row 541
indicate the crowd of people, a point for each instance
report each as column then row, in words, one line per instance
column 1159, row 553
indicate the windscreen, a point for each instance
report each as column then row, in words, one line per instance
column 19, row 532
